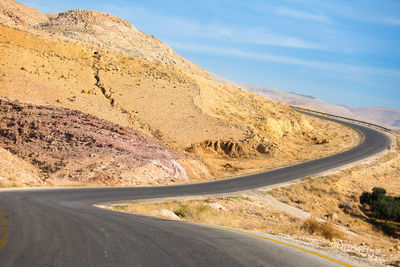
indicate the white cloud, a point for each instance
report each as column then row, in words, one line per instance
column 382, row 12
column 334, row 67
column 299, row 14
column 391, row 21
column 264, row 37
column 186, row 28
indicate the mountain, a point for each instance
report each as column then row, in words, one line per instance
column 121, row 82
column 99, row 29
column 14, row 13
column 386, row 117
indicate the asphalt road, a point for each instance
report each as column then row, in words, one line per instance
column 61, row 228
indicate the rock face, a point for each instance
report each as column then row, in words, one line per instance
column 68, row 145
column 235, row 149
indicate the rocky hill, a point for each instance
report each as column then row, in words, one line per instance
column 212, row 130
column 99, row 29
column 17, row 14
column 110, row 32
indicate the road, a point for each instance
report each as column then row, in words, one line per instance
column 60, row 227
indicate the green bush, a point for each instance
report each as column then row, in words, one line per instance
column 382, row 206
column 365, row 198
column 378, row 193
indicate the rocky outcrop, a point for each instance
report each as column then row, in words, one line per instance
column 233, row 148
column 72, row 146
column 230, row 148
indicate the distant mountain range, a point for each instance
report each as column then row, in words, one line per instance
column 386, row 117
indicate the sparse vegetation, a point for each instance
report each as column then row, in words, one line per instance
column 232, row 211
column 197, row 212
column 337, row 196
column 239, row 198
column 383, row 210
column 325, row 229
column 122, row 207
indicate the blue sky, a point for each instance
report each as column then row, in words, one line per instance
column 344, row 52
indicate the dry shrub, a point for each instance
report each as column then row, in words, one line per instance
column 329, row 231
column 324, row 229
column 145, row 209
column 193, row 212
column 311, row 225
column 203, row 213
column 241, row 214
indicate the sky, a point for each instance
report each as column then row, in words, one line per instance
column 344, row 52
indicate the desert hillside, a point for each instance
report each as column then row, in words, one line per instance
column 70, row 145
column 210, row 130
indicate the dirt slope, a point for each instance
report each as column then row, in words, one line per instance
column 67, row 145
column 15, row 171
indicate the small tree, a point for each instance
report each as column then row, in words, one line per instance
column 382, row 206
column 378, row 193
column 365, row 198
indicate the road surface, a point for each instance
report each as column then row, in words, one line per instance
column 60, row 227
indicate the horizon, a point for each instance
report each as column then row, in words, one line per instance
column 343, row 53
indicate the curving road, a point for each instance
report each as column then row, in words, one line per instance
column 60, row 227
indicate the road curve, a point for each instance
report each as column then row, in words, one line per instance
column 61, row 228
